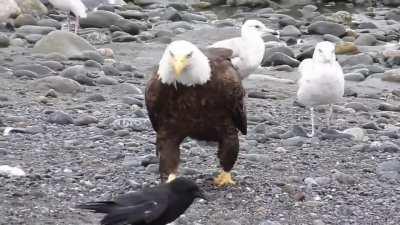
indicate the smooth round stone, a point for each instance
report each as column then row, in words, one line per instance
column 17, row 42
column 325, row 27
column 354, row 77
column 33, row 38
column 106, row 80
column 133, row 14
column 73, row 45
column 30, row 29
column 290, row 30
column 25, row 74
column 60, row 117
column 4, row 41
column 54, row 65
column 85, row 120
column 110, row 71
column 96, row 98
column 59, row 84
column 25, row 19
column 49, row 23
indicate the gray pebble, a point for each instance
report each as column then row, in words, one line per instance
column 85, row 120
column 60, row 117
column 96, row 98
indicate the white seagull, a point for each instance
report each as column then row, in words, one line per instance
column 74, row 6
column 8, row 9
column 322, row 80
column 249, row 48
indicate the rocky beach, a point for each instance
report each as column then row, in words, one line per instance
column 74, row 128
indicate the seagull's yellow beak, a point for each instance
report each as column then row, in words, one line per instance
column 179, row 63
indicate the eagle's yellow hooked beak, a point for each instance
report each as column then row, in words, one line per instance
column 180, row 63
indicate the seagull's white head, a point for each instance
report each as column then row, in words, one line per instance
column 255, row 27
column 324, row 52
column 182, row 62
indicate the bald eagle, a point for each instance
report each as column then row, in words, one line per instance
column 197, row 96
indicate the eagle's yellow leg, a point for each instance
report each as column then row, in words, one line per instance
column 224, row 179
column 171, row 177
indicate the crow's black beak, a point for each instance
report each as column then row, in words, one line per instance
column 200, row 194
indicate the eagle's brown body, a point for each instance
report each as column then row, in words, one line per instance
column 213, row 111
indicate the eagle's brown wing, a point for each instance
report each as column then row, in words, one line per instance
column 236, row 94
column 232, row 85
column 153, row 100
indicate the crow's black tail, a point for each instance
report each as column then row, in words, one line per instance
column 98, row 207
column 115, row 215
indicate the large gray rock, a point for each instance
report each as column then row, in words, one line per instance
column 249, row 3
column 25, row 19
column 290, row 30
column 36, row 68
column 35, row 7
column 279, row 58
column 91, row 4
column 366, row 40
column 326, row 27
column 392, row 76
column 8, row 8
column 49, row 23
column 391, row 2
column 392, row 57
column 30, row 29
column 60, row 117
column 389, row 170
column 284, row 49
column 393, row 14
column 4, row 40
column 354, row 76
column 129, row 26
column 359, row 59
column 332, row 38
column 100, row 19
column 79, row 74
column 147, row 2
column 64, row 43
column 59, row 84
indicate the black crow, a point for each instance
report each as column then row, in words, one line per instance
column 151, row 206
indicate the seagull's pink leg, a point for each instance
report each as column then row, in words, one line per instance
column 76, row 24
column 69, row 20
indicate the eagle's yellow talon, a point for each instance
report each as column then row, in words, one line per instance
column 224, row 179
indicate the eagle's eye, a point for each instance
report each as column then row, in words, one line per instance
column 171, row 54
column 189, row 55
column 257, row 26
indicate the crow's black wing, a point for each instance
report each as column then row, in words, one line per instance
column 145, row 212
column 133, row 208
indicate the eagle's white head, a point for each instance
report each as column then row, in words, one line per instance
column 324, row 52
column 184, row 63
column 255, row 27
